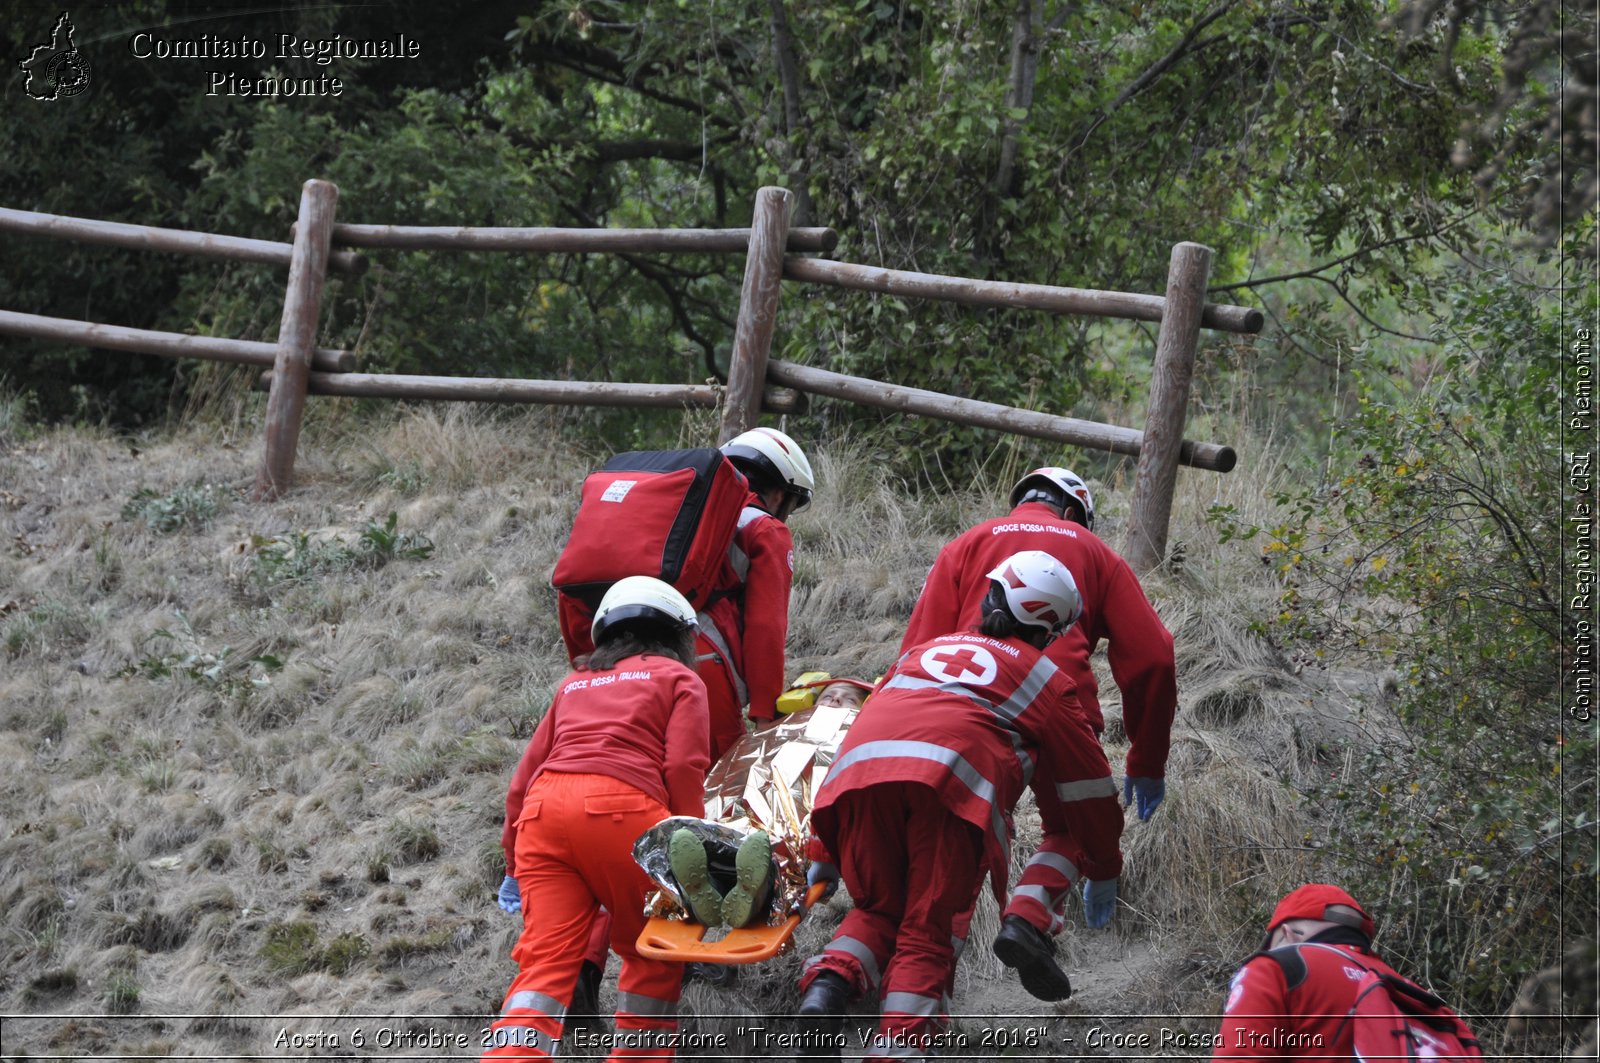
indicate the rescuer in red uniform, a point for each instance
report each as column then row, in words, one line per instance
column 1295, row 997
column 1052, row 510
column 624, row 744
column 917, row 804
column 744, row 628
column 742, row 631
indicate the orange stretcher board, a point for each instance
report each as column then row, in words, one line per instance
column 682, row 940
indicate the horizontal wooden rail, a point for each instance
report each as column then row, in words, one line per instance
column 549, row 392
column 1212, row 456
column 165, row 344
column 150, row 238
column 468, row 238
column 971, row 292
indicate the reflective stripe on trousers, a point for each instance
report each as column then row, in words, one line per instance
column 574, row 851
column 912, row 867
column 1044, row 886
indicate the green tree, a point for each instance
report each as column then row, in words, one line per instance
column 1434, row 550
column 1035, row 141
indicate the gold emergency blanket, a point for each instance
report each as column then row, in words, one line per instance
column 765, row 781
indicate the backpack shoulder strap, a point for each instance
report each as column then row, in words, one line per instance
column 1289, row 960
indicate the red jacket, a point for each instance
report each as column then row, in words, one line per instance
column 974, row 717
column 1267, row 1017
column 643, row 723
column 1115, row 610
column 749, row 618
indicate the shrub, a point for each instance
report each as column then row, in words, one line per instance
column 297, row 556
column 378, row 544
column 344, row 952
column 1435, row 553
column 401, row 947
column 17, row 410
column 61, row 981
column 121, row 993
column 50, row 626
column 414, row 842
column 291, row 948
column 188, row 507
column 218, row 668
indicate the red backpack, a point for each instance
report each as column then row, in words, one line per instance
column 1393, row 1019
column 670, row 514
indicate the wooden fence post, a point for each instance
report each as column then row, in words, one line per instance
column 758, row 311
column 297, row 338
column 1146, row 544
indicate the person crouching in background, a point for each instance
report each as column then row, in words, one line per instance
column 624, row 744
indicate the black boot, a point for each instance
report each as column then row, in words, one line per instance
column 1020, row 945
column 828, row 994
column 584, row 1011
column 822, row 1010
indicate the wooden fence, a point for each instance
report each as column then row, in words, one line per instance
column 773, row 253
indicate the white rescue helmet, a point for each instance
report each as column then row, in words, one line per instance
column 1066, row 482
column 778, row 457
column 634, row 597
column 1039, row 590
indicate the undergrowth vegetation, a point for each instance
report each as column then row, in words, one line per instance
column 1431, row 550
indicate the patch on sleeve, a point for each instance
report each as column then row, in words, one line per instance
column 1235, row 989
column 791, row 560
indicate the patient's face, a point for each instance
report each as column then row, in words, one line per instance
column 843, row 696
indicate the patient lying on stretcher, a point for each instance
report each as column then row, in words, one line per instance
column 744, row 864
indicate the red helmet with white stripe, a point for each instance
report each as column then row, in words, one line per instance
column 1061, row 486
column 1038, row 590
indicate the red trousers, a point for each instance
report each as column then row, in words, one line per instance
column 912, row 868
column 574, row 853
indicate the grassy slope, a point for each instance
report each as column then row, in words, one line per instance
column 322, row 837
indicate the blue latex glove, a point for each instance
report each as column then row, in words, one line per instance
column 822, row 871
column 510, row 897
column 1099, row 901
column 1149, row 792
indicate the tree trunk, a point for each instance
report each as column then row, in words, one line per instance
column 793, row 119
column 1026, row 33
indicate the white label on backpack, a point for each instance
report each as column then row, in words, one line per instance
column 618, row 490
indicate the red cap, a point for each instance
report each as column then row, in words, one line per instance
column 1312, row 901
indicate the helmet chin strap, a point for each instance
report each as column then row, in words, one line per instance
column 778, row 502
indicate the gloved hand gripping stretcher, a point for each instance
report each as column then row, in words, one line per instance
column 764, row 784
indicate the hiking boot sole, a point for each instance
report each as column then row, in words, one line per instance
column 1039, row 975
column 687, row 857
column 753, row 868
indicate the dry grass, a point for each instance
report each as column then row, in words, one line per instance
column 233, row 794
